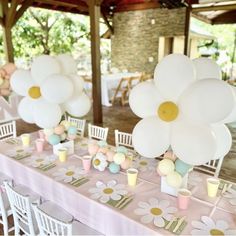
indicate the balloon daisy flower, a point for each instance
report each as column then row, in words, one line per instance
column 49, row 88
column 185, row 107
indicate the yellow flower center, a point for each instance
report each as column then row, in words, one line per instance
column 168, row 111
column 108, row 190
column 216, row 232
column 70, row 173
column 34, row 92
column 97, row 162
column 143, row 163
column 156, row 211
column 39, row 160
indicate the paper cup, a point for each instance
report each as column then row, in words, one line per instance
column 39, row 143
column 62, row 154
column 86, row 160
column 25, row 138
column 132, row 175
column 212, row 186
column 183, row 198
column 41, row 134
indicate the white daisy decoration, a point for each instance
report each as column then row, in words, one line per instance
column 207, row 226
column 104, row 192
column 231, row 195
column 67, row 174
column 155, row 210
column 100, row 162
column 144, row 164
column 36, row 161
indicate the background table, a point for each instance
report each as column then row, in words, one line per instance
column 103, row 217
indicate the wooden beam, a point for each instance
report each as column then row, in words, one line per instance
column 1, row 21
column 228, row 17
column 25, row 5
column 8, row 46
column 138, row 6
column 186, row 31
column 94, row 12
column 202, row 18
column 107, row 22
column 215, row 8
column 11, row 13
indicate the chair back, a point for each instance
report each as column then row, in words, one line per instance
column 212, row 167
column 49, row 225
column 20, row 205
column 123, row 139
column 96, row 132
column 8, row 130
column 80, row 125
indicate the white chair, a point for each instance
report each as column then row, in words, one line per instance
column 123, row 139
column 212, row 167
column 96, row 132
column 80, row 125
column 49, row 224
column 7, row 130
column 20, row 202
column 5, row 209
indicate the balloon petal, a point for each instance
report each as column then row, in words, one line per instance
column 173, row 75
column 144, row 99
column 67, row 63
column 151, row 137
column 46, row 115
column 44, row 66
column 78, row 84
column 206, row 68
column 25, row 108
column 223, row 140
column 207, row 101
column 193, row 144
column 57, row 88
column 21, row 81
column 78, row 106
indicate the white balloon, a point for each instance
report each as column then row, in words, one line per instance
column 151, row 137
column 57, row 88
column 43, row 66
column 21, row 81
column 144, row 99
column 67, row 63
column 25, row 110
column 223, row 140
column 78, row 106
column 78, row 84
column 206, row 68
column 207, row 101
column 46, row 115
column 193, row 144
column 173, row 75
column 232, row 116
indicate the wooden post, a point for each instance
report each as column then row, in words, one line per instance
column 8, row 45
column 94, row 12
column 186, row 31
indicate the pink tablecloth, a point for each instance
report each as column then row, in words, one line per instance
column 103, row 217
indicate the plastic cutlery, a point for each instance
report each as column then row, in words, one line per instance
column 180, row 221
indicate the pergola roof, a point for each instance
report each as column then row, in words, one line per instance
column 211, row 11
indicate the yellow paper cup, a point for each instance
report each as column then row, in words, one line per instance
column 132, row 175
column 25, row 138
column 62, row 154
column 212, row 186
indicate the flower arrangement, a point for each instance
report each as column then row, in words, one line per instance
column 104, row 157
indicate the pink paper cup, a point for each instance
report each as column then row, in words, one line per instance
column 184, row 196
column 41, row 134
column 86, row 160
column 39, row 144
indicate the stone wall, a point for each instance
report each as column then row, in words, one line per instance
column 136, row 37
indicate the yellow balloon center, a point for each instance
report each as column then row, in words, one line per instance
column 97, row 162
column 108, row 190
column 39, row 160
column 143, row 163
column 216, row 232
column 34, row 92
column 156, row 211
column 70, row 173
column 168, row 111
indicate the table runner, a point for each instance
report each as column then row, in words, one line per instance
column 104, row 217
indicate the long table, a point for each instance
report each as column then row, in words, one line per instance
column 85, row 204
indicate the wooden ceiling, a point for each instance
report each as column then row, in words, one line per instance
column 212, row 11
